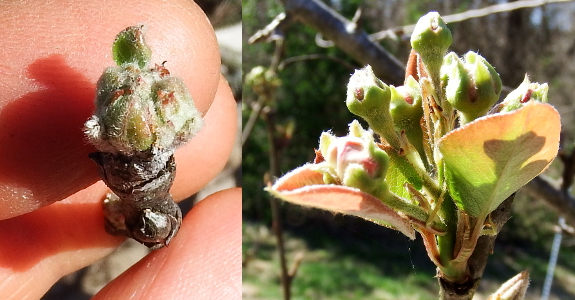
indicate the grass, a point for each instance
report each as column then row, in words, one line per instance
column 366, row 269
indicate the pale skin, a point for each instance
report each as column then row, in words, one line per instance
column 51, row 220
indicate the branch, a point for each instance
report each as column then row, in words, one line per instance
column 345, row 34
column 562, row 203
column 470, row 14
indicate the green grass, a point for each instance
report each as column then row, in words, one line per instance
column 365, row 269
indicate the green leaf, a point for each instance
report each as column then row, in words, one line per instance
column 399, row 172
column 130, row 47
column 489, row 159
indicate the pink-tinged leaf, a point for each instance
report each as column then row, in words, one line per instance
column 492, row 157
column 337, row 198
column 297, row 178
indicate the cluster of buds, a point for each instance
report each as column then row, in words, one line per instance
column 354, row 160
column 142, row 114
column 471, row 85
column 140, row 108
column 437, row 159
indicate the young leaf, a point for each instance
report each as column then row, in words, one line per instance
column 489, row 159
column 303, row 186
column 400, row 172
column 130, row 47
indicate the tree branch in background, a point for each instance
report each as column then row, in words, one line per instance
column 345, row 34
column 293, row 59
column 562, row 203
column 469, row 14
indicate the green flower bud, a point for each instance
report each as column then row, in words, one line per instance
column 140, row 109
column 129, row 47
column 261, row 80
column 406, row 110
column 369, row 98
column 525, row 92
column 356, row 160
column 471, row 85
column 430, row 39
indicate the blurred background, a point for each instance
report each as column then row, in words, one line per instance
column 338, row 257
column 225, row 16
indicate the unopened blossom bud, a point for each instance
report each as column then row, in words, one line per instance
column 471, row 85
column 406, row 110
column 129, row 47
column 142, row 114
column 525, row 92
column 262, row 81
column 430, row 39
column 369, row 98
column 140, row 108
column 354, row 160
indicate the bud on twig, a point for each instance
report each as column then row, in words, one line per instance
column 142, row 114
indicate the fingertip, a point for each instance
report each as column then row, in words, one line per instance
column 50, row 87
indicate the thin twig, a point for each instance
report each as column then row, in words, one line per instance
column 293, row 59
column 470, row 14
column 256, row 110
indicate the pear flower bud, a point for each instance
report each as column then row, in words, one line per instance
column 430, row 39
column 354, row 160
column 525, row 92
column 369, row 98
column 406, row 110
column 471, row 85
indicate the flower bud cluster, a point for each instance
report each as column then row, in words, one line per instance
column 525, row 92
column 262, row 81
column 140, row 108
column 354, row 160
